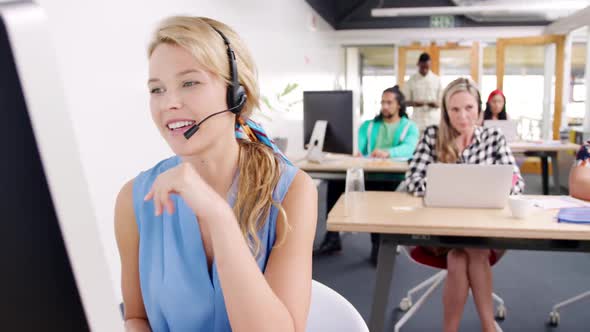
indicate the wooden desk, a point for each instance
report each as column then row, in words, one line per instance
column 335, row 166
column 525, row 146
column 402, row 219
column 332, row 172
column 545, row 150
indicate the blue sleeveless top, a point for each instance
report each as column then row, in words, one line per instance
column 179, row 293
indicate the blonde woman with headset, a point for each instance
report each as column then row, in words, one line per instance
column 458, row 139
column 219, row 236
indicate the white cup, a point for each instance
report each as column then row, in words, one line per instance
column 520, row 207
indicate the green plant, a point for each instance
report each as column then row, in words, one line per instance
column 282, row 101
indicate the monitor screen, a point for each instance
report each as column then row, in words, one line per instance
column 54, row 276
column 335, row 107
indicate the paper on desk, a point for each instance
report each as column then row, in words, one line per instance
column 558, row 202
column 540, row 142
column 402, row 159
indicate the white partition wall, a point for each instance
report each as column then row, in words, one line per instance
column 548, row 98
column 353, row 82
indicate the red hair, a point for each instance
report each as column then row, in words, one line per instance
column 496, row 92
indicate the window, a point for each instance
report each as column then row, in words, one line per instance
column 576, row 103
column 377, row 74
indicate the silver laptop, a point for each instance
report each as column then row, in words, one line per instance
column 468, row 186
column 509, row 128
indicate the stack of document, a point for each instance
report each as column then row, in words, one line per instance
column 558, row 202
column 577, row 215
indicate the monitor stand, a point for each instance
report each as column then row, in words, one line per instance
column 316, row 142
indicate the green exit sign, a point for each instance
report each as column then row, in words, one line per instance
column 442, row 21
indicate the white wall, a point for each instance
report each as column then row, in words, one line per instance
column 353, row 82
column 101, row 50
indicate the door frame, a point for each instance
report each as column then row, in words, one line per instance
column 559, row 42
column 402, row 59
column 434, row 50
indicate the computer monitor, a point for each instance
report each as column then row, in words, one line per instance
column 54, row 274
column 335, row 107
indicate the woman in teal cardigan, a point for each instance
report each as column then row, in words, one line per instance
column 390, row 134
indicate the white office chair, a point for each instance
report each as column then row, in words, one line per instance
column 330, row 312
column 432, row 283
column 554, row 314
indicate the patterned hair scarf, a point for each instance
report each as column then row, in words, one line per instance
column 252, row 131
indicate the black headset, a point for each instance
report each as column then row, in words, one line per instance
column 236, row 94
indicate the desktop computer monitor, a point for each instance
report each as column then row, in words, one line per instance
column 54, row 274
column 335, row 107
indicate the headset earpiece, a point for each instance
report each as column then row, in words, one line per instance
column 236, row 94
column 237, row 98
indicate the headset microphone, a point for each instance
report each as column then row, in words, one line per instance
column 193, row 130
column 236, row 93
